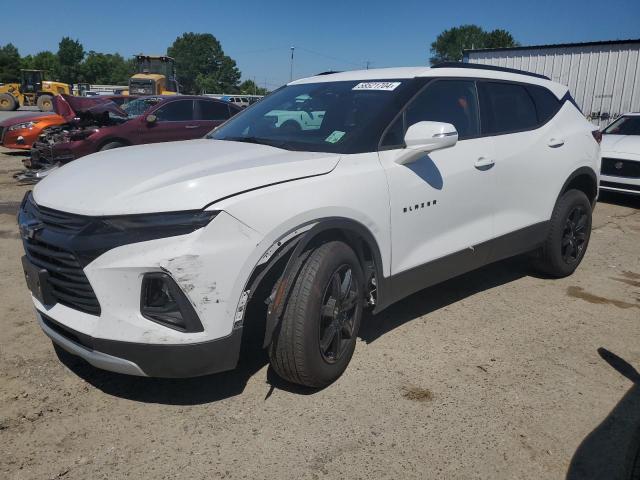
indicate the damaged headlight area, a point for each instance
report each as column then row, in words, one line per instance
column 22, row 126
column 155, row 225
column 163, row 302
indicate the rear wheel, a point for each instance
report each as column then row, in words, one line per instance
column 321, row 318
column 8, row 102
column 568, row 237
column 45, row 103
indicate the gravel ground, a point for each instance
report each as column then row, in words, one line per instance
column 496, row 374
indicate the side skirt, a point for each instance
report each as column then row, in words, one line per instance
column 410, row 281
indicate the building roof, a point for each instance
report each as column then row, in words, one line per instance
column 555, row 45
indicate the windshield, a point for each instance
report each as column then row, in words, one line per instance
column 137, row 107
column 624, row 126
column 339, row 117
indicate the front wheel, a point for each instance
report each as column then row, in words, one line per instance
column 568, row 237
column 321, row 319
column 45, row 103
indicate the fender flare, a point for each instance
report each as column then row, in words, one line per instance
column 578, row 172
column 348, row 227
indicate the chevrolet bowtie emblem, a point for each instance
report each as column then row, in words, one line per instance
column 29, row 228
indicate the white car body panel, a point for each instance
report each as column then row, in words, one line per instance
column 182, row 176
column 621, row 147
column 416, row 213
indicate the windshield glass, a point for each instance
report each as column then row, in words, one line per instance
column 624, row 126
column 340, row 117
column 138, row 106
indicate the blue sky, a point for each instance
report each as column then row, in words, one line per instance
column 327, row 34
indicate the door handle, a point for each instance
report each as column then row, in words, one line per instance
column 484, row 163
column 192, row 126
column 555, row 142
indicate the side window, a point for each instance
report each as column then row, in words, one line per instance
column 178, row 111
column 506, row 107
column 213, row 110
column 450, row 101
column 547, row 104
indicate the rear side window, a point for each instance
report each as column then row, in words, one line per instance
column 506, row 108
column 177, row 111
column 547, row 104
column 213, row 110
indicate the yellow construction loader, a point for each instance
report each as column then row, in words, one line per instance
column 155, row 75
column 32, row 90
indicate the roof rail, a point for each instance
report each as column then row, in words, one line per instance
column 328, row 72
column 481, row 66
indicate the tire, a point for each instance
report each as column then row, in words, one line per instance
column 45, row 103
column 8, row 102
column 323, row 306
column 111, row 145
column 568, row 238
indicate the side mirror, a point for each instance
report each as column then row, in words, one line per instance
column 425, row 137
column 151, row 118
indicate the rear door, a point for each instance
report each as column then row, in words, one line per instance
column 175, row 120
column 210, row 114
column 528, row 151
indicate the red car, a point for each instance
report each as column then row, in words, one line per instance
column 96, row 124
column 21, row 131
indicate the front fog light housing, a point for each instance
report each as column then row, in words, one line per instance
column 163, row 302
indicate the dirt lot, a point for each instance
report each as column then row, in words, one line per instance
column 497, row 374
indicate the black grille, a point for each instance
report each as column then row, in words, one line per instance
column 69, row 284
column 56, row 220
column 620, row 168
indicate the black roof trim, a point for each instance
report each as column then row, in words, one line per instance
column 328, row 72
column 479, row 66
column 554, row 45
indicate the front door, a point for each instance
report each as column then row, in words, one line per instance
column 174, row 121
column 442, row 204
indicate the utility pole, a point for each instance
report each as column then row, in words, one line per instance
column 368, row 63
column 255, row 86
column 291, row 66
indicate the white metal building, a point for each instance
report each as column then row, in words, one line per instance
column 603, row 77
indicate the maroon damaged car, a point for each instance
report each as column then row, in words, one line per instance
column 95, row 124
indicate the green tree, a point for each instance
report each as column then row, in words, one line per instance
column 70, row 55
column 449, row 45
column 105, row 68
column 9, row 64
column 202, row 65
column 248, row 87
column 43, row 61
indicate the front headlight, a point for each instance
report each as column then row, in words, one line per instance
column 21, row 126
column 166, row 224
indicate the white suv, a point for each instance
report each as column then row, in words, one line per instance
column 152, row 260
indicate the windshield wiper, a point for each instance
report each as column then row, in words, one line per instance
column 259, row 141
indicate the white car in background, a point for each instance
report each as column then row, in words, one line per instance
column 620, row 171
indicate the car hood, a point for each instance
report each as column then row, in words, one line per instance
column 621, row 144
column 29, row 117
column 172, row 176
column 70, row 107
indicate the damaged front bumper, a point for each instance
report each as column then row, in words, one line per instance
column 45, row 154
column 102, row 320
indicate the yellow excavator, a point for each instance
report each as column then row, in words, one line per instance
column 32, row 90
column 155, row 75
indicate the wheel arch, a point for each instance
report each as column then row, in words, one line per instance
column 107, row 140
column 585, row 180
column 270, row 279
